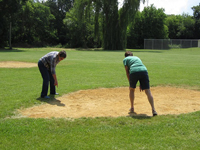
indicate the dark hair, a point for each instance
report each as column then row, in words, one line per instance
column 128, row 53
column 62, row 54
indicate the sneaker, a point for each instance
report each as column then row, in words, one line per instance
column 154, row 113
column 131, row 110
column 54, row 93
column 47, row 97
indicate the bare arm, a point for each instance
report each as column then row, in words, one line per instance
column 127, row 72
column 55, row 80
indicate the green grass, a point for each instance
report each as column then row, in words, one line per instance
column 87, row 69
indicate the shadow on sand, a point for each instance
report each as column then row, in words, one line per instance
column 52, row 100
column 11, row 50
column 139, row 116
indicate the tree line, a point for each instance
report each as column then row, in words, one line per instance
column 90, row 24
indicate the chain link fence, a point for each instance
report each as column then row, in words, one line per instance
column 170, row 43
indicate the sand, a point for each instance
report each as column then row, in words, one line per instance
column 114, row 102
column 16, row 64
column 110, row 102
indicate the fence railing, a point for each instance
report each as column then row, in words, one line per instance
column 170, row 43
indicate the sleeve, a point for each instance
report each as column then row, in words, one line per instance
column 125, row 62
column 53, row 65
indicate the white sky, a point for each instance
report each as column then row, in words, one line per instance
column 177, row 7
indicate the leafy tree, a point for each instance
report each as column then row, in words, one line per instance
column 109, row 23
column 135, row 33
column 80, row 24
column 115, row 22
column 149, row 24
column 59, row 8
column 34, row 25
column 180, row 26
column 196, row 15
column 153, row 23
column 8, row 9
column 186, row 27
column 173, row 22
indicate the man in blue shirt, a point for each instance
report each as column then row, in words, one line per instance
column 47, row 65
column 136, row 71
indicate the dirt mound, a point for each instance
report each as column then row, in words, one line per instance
column 16, row 64
column 114, row 102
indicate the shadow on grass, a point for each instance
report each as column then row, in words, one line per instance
column 149, row 51
column 97, row 49
column 52, row 101
column 132, row 50
column 11, row 50
column 139, row 116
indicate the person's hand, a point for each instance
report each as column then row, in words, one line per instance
column 141, row 88
column 55, row 80
column 56, row 83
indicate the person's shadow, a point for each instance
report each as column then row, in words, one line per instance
column 138, row 116
column 52, row 100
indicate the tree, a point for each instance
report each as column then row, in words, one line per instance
column 153, row 23
column 173, row 22
column 196, row 15
column 8, row 9
column 80, row 24
column 135, row 37
column 109, row 23
column 149, row 24
column 34, row 25
column 59, row 8
column 186, row 27
column 115, row 22
column 180, row 26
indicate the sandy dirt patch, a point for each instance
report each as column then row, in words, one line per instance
column 16, row 64
column 114, row 102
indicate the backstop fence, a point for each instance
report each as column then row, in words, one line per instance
column 170, row 43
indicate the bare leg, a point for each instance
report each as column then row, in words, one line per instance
column 132, row 96
column 151, row 101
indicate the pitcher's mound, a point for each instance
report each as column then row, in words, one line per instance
column 114, row 102
column 16, row 64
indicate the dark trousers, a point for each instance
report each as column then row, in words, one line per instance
column 47, row 77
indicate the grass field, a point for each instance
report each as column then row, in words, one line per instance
column 88, row 69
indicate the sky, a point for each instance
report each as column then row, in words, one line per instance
column 176, row 7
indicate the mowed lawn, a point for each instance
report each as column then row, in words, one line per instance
column 89, row 69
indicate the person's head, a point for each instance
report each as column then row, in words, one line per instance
column 62, row 55
column 128, row 53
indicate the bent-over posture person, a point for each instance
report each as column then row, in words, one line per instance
column 47, row 65
column 136, row 71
